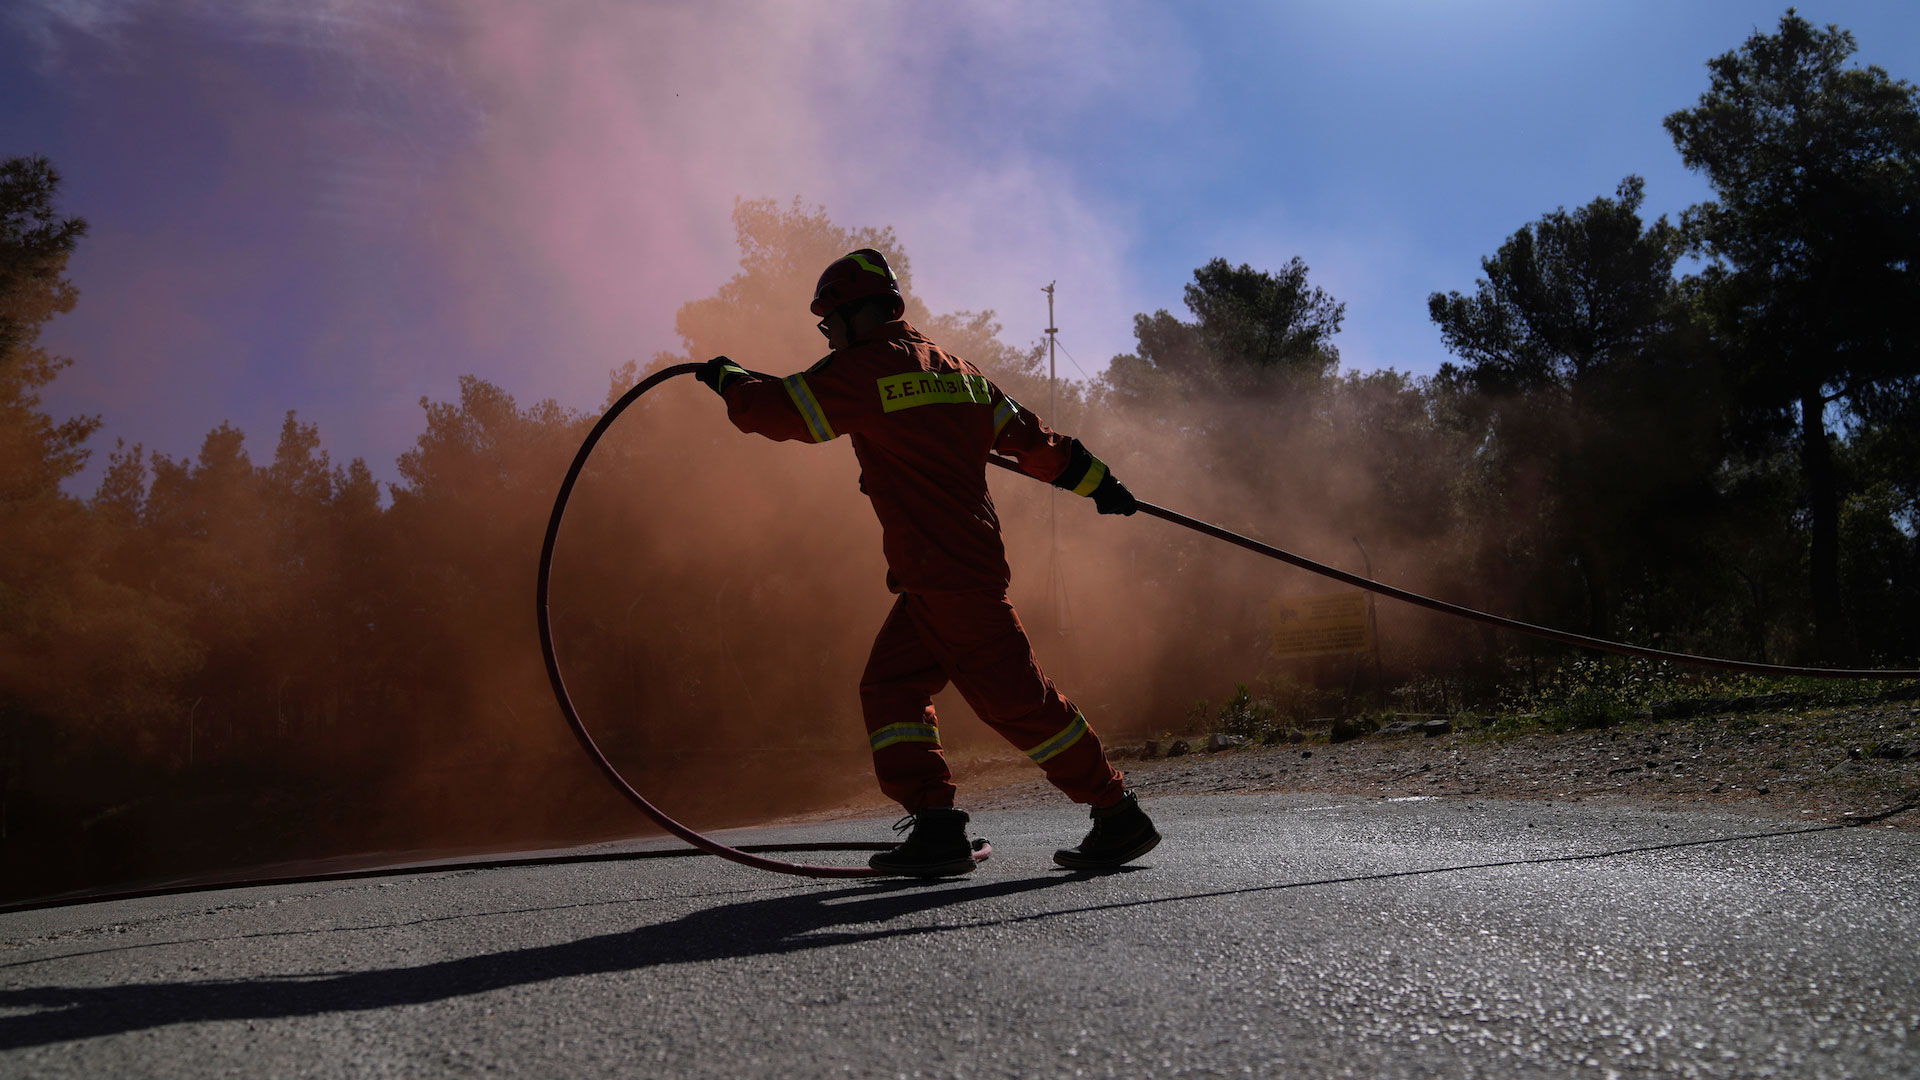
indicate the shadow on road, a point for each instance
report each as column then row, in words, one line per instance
column 772, row 926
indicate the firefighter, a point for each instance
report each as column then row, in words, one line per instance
column 922, row 422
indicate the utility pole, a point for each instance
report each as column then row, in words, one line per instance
column 1056, row 583
column 1052, row 330
column 1373, row 632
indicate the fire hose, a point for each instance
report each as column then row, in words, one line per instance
column 746, row 858
column 749, row 854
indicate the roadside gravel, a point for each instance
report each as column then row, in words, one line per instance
column 1808, row 765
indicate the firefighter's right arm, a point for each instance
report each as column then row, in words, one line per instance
column 782, row 409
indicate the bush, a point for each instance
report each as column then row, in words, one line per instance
column 1245, row 715
column 1586, row 709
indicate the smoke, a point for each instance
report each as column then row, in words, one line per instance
column 1162, row 617
column 599, row 189
column 740, row 584
column 617, row 138
column 372, row 199
column 530, row 194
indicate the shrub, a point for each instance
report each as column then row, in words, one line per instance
column 1245, row 715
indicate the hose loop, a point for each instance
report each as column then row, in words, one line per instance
column 698, row 840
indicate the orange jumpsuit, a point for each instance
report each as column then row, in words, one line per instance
column 922, row 422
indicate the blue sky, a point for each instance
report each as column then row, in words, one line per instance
column 338, row 206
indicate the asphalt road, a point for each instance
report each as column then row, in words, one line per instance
column 1270, row 935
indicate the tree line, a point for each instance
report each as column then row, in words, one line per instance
column 1721, row 459
column 219, row 660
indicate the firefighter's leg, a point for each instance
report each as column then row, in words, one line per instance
column 992, row 664
column 896, row 699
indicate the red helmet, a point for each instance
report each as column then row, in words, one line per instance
column 856, row 276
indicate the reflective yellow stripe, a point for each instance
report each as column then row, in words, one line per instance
column 899, row 733
column 1053, row 747
column 932, row 388
column 728, row 373
column 1096, row 472
column 883, row 271
column 1003, row 415
column 810, row 410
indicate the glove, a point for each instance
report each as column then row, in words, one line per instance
column 1112, row 497
column 718, row 372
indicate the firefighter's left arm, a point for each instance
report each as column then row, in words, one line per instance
column 1040, row 451
column 1060, row 460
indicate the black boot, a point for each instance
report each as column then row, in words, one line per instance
column 1121, row 833
column 937, row 847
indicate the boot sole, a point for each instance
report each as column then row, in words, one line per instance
column 1075, row 861
column 946, row 869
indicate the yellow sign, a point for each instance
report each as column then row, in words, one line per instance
column 1320, row 625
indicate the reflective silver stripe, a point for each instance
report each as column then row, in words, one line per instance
column 899, row 733
column 810, row 410
column 1067, row 737
column 1003, row 415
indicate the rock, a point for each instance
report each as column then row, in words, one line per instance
column 1402, row 727
column 1306, row 753
column 1179, row 748
column 1892, row 751
column 1344, row 730
column 1434, row 728
column 1217, row 742
column 1765, row 702
column 1295, row 735
column 1151, row 750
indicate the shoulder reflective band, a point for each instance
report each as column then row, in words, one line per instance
column 1003, row 415
column 932, row 388
column 810, row 411
column 1096, row 472
column 1055, row 746
column 902, row 733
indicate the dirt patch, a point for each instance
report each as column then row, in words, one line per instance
column 1808, row 765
